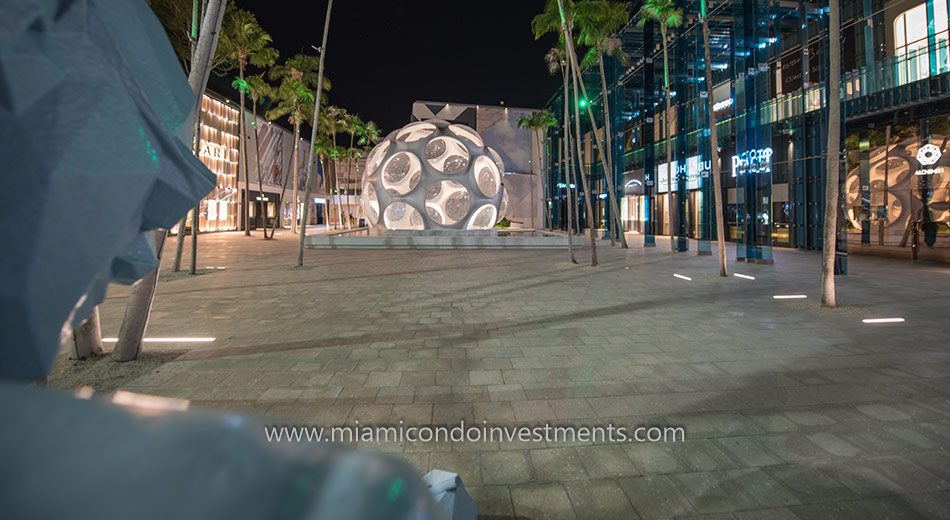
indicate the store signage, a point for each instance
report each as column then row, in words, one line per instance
column 213, row 150
column 928, row 155
column 752, row 161
column 692, row 170
column 719, row 106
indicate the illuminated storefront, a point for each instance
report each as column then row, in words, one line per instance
column 218, row 150
column 221, row 210
column 769, row 68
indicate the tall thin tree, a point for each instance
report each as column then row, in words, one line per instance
column 313, row 134
column 575, row 68
column 830, row 223
column 244, row 42
column 557, row 60
column 556, row 17
column 259, row 90
column 298, row 81
column 713, row 146
column 135, row 320
column 667, row 16
column 598, row 22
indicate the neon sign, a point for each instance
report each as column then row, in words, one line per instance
column 753, row 161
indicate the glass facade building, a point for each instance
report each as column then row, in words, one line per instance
column 769, row 64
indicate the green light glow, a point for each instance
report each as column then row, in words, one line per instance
column 582, row 103
column 395, row 489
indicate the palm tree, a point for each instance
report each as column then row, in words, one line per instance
column 714, row 148
column 557, row 61
column 259, row 90
column 336, row 119
column 353, row 125
column 548, row 21
column 298, row 77
column 538, row 123
column 243, row 43
column 598, row 23
column 575, row 68
column 369, row 136
column 667, row 16
column 830, row 224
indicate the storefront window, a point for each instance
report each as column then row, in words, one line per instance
column 911, row 41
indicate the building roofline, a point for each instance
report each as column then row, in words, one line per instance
column 476, row 105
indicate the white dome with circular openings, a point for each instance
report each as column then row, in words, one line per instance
column 431, row 175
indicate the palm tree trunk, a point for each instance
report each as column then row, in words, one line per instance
column 714, row 157
column 830, row 225
column 534, row 206
column 193, row 268
column 86, row 340
column 592, row 231
column 260, row 180
column 572, row 60
column 283, row 190
column 609, row 159
column 669, row 140
column 313, row 133
column 568, row 166
column 135, row 321
column 132, row 331
column 183, row 223
column 242, row 158
column 293, row 211
column 346, row 182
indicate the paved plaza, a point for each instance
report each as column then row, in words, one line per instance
column 790, row 410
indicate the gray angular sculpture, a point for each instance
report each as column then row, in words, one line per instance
column 432, row 175
column 91, row 100
column 93, row 113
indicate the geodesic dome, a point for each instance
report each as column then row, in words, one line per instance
column 433, row 175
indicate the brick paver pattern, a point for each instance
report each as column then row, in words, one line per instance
column 790, row 410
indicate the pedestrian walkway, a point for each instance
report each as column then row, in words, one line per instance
column 789, row 410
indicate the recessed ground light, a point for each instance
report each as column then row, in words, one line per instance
column 883, row 320
column 681, row 277
column 747, row 277
column 166, row 340
column 790, row 296
column 151, row 402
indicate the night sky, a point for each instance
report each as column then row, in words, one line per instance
column 383, row 55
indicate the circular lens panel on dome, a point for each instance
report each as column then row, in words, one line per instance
column 401, row 173
column 447, row 202
column 467, row 133
column 375, row 157
column 483, row 218
column 370, row 203
column 400, row 215
column 487, row 176
column 447, row 155
column 415, row 132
